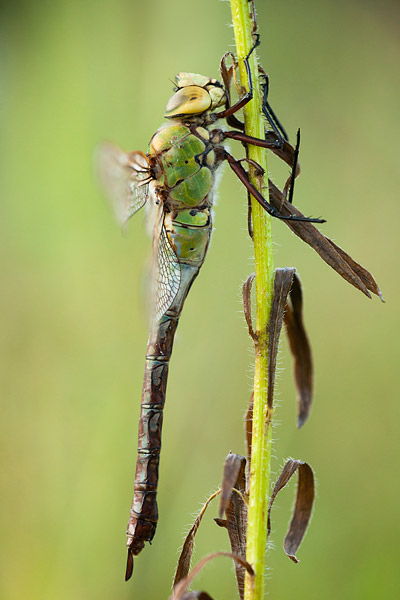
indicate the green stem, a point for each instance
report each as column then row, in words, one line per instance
column 261, row 439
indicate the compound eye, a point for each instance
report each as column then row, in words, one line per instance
column 190, row 100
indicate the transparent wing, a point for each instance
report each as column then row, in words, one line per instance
column 167, row 270
column 125, row 178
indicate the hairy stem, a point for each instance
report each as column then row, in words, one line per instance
column 261, row 440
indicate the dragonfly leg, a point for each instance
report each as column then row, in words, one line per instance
column 294, row 173
column 270, row 114
column 233, row 121
column 279, row 133
column 249, row 95
column 285, row 152
column 248, row 139
column 242, row 175
column 289, row 154
column 259, row 171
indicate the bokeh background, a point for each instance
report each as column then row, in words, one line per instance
column 72, row 302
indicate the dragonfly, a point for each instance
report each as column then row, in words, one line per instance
column 176, row 178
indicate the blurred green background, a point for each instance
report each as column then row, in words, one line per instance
column 74, row 324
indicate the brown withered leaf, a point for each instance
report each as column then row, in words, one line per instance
column 301, row 350
column 249, row 428
column 185, row 557
column 249, row 216
column 332, row 254
column 227, row 73
column 282, row 284
column 361, row 271
column 235, row 508
column 180, row 589
column 234, row 468
column 303, row 506
column 246, row 292
column 196, row 596
column 221, row 523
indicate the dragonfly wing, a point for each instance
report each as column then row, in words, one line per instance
column 167, row 271
column 125, row 178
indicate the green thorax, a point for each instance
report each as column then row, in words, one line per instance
column 185, row 164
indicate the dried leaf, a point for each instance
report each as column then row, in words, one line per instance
column 249, row 216
column 361, row 271
column 301, row 350
column 180, row 589
column 185, row 557
column 221, row 523
column 233, row 466
column 235, row 507
column 246, row 291
column 303, row 506
column 282, row 284
column 249, row 428
column 227, row 73
column 196, row 596
column 334, row 256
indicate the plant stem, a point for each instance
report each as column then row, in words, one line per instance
column 261, row 438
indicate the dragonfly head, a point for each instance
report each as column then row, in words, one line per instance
column 194, row 95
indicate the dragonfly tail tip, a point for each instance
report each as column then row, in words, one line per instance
column 129, row 565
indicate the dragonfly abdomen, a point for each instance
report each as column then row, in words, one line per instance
column 189, row 239
column 144, row 511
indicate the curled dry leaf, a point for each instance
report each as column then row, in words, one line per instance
column 249, row 428
column 301, row 350
column 246, row 291
column 221, row 523
column 303, row 505
column 185, row 556
column 234, row 505
column 282, row 284
column 196, row 596
column 249, row 217
column 332, row 254
column 227, row 73
column 180, row 589
column 234, row 465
